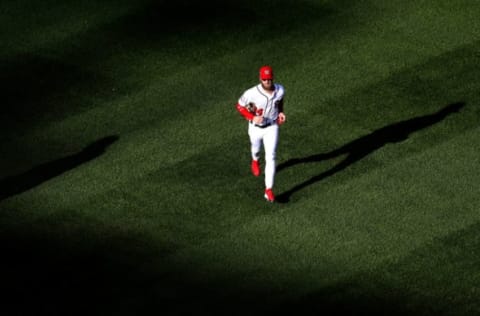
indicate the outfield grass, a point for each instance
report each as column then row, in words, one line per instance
column 124, row 167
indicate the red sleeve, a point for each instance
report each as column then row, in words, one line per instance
column 244, row 112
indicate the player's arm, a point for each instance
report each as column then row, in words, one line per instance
column 281, row 115
column 250, row 115
column 248, row 109
column 280, row 106
column 242, row 106
column 245, row 112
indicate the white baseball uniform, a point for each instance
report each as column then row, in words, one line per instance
column 267, row 105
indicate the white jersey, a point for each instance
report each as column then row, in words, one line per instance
column 266, row 103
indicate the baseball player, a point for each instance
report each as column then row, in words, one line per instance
column 262, row 106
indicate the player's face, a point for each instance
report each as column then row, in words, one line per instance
column 267, row 84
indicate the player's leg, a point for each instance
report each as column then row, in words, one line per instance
column 255, row 135
column 270, row 141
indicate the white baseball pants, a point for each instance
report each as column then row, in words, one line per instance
column 269, row 137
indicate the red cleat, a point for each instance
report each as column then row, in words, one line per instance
column 269, row 195
column 255, row 168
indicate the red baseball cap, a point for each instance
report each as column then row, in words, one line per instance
column 266, row 72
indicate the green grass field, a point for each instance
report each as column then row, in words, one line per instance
column 125, row 186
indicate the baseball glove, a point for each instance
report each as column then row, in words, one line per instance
column 251, row 107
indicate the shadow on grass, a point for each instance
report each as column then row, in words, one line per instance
column 20, row 183
column 365, row 145
column 66, row 268
column 98, row 270
column 36, row 88
column 238, row 19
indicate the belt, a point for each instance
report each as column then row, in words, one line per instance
column 262, row 126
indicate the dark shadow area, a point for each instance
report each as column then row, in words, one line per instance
column 100, row 271
column 362, row 297
column 72, row 270
column 238, row 19
column 172, row 18
column 20, row 183
column 365, row 145
column 35, row 88
column 352, row 298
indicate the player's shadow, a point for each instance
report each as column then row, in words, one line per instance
column 17, row 184
column 363, row 146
